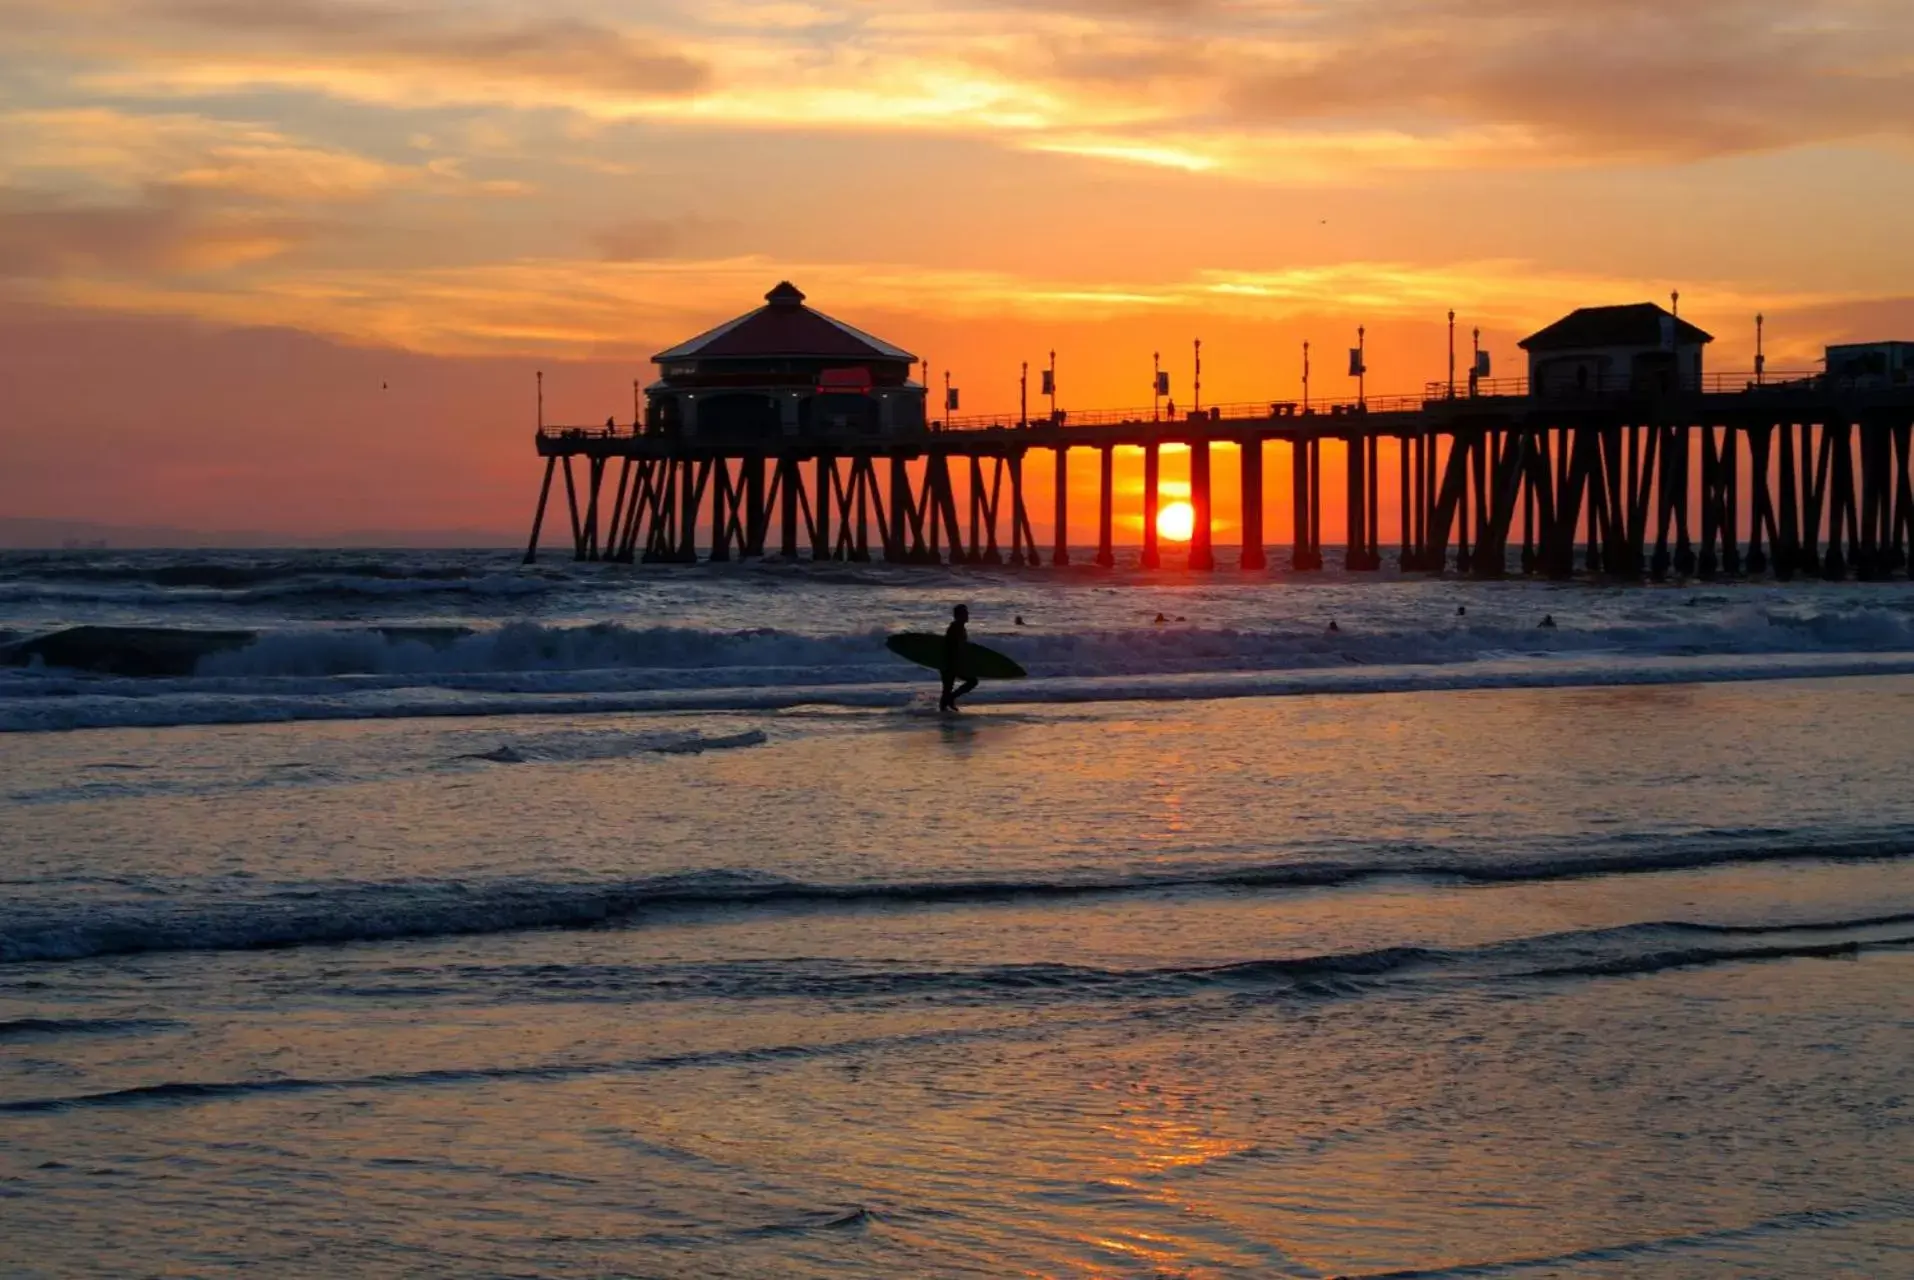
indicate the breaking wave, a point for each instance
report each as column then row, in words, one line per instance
column 100, row 640
column 100, row 676
column 528, row 647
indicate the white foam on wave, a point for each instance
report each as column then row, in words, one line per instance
column 349, row 672
column 531, row 647
column 671, row 653
column 263, row 703
column 585, row 745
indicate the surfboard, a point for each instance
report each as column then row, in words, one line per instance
column 927, row 650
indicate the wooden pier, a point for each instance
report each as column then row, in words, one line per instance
column 1801, row 476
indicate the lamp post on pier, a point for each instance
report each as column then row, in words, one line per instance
column 1674, row 334
column 1452, row 353
column 1305, row 377
column 1475, row 362
column 1761, row 359
column 1361, row 369
column 1023, row 396
column 1196, row 386
column 946, row 399
column 1156, row 386
column 1050, row 386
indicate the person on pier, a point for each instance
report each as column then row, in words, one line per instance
column 956, row 665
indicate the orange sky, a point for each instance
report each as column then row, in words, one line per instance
column 224, row 224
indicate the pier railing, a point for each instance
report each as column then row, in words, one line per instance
column 1610, row 387
column 1240, row 411
column 1594, row 392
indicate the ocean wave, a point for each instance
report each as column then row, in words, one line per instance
column 46, row 1028
column 331, row 914
column 1604, row 953
column 1646, row 948
column 304, row 596
column 189, row 1092
column 524, row 647
column 123, row 651
column 1632, row 1253
column 35, row 701
column 236, row 571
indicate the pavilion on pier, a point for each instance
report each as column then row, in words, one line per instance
column 1640, row 348
column 784, row 372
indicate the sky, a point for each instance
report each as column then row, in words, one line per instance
column 291, row 265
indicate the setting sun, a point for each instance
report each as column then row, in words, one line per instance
column 1176, row 521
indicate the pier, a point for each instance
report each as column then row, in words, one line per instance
column 1626, row 478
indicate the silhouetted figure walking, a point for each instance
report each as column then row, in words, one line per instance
column 956, row 660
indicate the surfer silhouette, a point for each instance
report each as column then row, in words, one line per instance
column 956, row 660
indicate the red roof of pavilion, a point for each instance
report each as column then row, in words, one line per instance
column 785, row 328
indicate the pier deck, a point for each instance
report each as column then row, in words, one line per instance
column 1796, row 475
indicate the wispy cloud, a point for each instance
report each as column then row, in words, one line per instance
column 592, row 308
column 45, row 240
column 98, row 147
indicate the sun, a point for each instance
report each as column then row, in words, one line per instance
column 1176, row 521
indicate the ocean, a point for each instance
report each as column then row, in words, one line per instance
column 426, row 914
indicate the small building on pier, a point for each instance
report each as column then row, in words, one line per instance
column 1872, row 365
column 781, row 372
column 1637, row 349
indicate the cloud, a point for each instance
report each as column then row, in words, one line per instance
column 398, row 52
column 95, row 190
column 587, row 309
column 169, row 232
column 1624, row 79
column 650, row 239
column 100, row 147
column 1262, row 90
column 586, row 95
